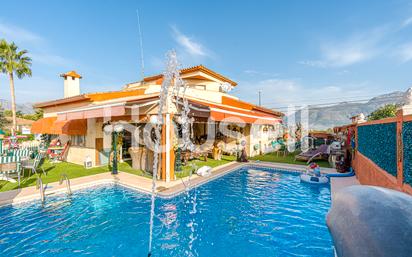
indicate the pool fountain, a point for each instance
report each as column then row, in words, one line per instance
column 172, row 85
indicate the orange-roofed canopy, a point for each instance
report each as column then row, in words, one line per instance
column 230, row 114
column 43, row 126
column 70, row 127
column 53, row 126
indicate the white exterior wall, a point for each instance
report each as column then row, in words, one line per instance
column 77, row 154
column 91, row 133
column 263, row 139
column 71, row 86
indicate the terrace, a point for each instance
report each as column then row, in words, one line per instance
column 186, row 167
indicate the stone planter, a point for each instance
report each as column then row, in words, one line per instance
column 142, row 158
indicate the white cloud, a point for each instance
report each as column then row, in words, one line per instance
column 188, row 44
column 32, row 89
column 407, row 22
column 285, row 92
column 314, row 63
column 405, row 52
column 260, row 73
column 46, row 66
column 39, row 49
column 348, row 53
column 51, row 60
column 156, row 63
column 357, row 48
column 18, row 34
column 343, row 72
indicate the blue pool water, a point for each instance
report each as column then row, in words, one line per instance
column 249, row 212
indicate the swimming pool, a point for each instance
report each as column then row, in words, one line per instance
column 248, row 212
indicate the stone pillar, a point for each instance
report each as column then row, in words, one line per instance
column 168, row 154
column 163, row 151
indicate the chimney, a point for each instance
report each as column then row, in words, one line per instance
column 71, row 83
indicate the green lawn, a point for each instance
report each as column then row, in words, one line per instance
column 290, row 158
column 200, row 163
column 54, row 171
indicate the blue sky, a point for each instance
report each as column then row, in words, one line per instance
column 296, row 52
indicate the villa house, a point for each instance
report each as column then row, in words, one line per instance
column 81, row 118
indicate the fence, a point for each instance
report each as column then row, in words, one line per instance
column 383, row 155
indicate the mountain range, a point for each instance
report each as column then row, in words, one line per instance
column 324, row 117
column 26, row 108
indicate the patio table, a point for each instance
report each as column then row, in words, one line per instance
column 4, row 176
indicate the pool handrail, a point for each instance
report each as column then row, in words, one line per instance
column 64, row 177
column 39, row 185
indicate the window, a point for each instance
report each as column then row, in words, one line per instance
column 78, row 140
column 201, row 87
column 195, row 86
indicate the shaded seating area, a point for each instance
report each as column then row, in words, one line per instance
column 10, row 167
column 13, row 163
column 34, row 165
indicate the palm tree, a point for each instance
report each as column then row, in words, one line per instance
column 13, row 62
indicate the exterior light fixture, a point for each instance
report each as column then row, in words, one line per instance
column 154, row 120
column 118, row 128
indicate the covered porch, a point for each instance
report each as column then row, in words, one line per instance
column 216, row 130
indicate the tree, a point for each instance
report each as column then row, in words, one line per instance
column 8, row 113
column 35, row 116
column 3, row 121
column 386, row 111
column 14, row 62
column 19, row 114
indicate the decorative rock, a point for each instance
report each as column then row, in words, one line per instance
column 204, row 171
column 371, row 221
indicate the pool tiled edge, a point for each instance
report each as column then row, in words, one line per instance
column 165, row 190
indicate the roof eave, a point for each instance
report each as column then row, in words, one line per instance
column 72, row 99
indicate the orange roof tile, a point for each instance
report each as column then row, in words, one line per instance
column 98, row 96
column 71, row 74
column 193, row 69
column 248, row 106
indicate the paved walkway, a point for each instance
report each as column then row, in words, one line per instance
column 163, row 189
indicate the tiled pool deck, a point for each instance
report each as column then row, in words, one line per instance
column 164, row 189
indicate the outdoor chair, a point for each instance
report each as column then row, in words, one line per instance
column 320, row 153
column 22, row 153
column 34, row 165
column 282, row 151
column 9, row 166
column 61, row 155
